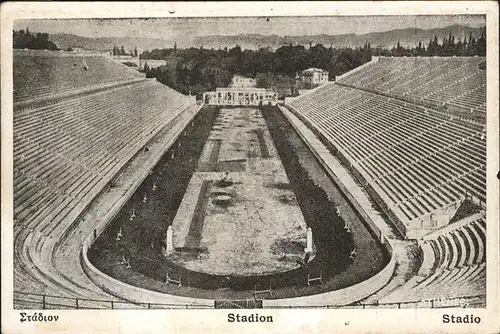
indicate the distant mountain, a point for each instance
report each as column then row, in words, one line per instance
column 411, row 37
column 63, row 41
column 407, row 37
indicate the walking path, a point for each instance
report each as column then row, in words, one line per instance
column 339, row 173
column 66, row 256
column 389, row 278
column 67, row 262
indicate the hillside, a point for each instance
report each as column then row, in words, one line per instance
column 407, row 37
column 106, row 43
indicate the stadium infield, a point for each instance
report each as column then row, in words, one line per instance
column 243, row 222
column 143, row 238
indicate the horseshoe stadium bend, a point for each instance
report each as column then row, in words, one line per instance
column 362, row 192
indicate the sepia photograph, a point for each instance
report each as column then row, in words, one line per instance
column 257, row 164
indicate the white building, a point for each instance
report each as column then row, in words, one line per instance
column 240, row 97
column 152, row 63
column 313, row 77
column 243, row 82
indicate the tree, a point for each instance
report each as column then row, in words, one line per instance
column 419, row 48
column 235, row 52
column 481, row 43
column 432, row 49
column 198, row 69
column 135, row 51
column 458, row 48
column 26, row 40
column 122, row 51
column 471, row 46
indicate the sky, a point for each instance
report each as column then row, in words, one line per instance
column 165, row 28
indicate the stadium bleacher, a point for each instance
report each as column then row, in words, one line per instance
column 457, row 81
column 421, row 161
column 417, row 159
column 66, row 152
column 40, row 73
column 454, row 263
column 62, row 150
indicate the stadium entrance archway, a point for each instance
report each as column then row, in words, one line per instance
column 240, row 97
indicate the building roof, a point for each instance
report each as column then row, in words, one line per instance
column 246, row 89
column 313, row 69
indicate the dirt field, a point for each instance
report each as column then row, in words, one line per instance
column 252, row 222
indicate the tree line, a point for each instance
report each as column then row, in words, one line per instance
column 449, row 46
column 26, row 40
column 195, row 70
column 120, row 51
